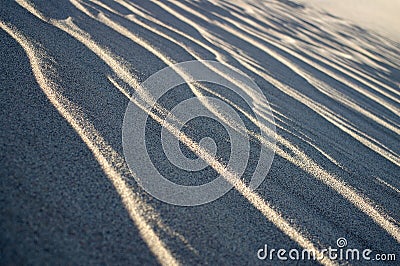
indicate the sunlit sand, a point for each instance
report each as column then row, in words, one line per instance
column 333, row 88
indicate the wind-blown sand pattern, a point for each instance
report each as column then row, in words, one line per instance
column 72, row 66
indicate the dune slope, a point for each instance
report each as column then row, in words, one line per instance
column 69, row 70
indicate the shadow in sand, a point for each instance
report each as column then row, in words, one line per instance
column 330, row 126
column 57, row 205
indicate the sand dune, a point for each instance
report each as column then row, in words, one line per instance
column 68, row 195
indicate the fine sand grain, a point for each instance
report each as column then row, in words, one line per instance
column 69, row 69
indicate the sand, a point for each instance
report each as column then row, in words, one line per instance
column 69, row 69
column 379, row 16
